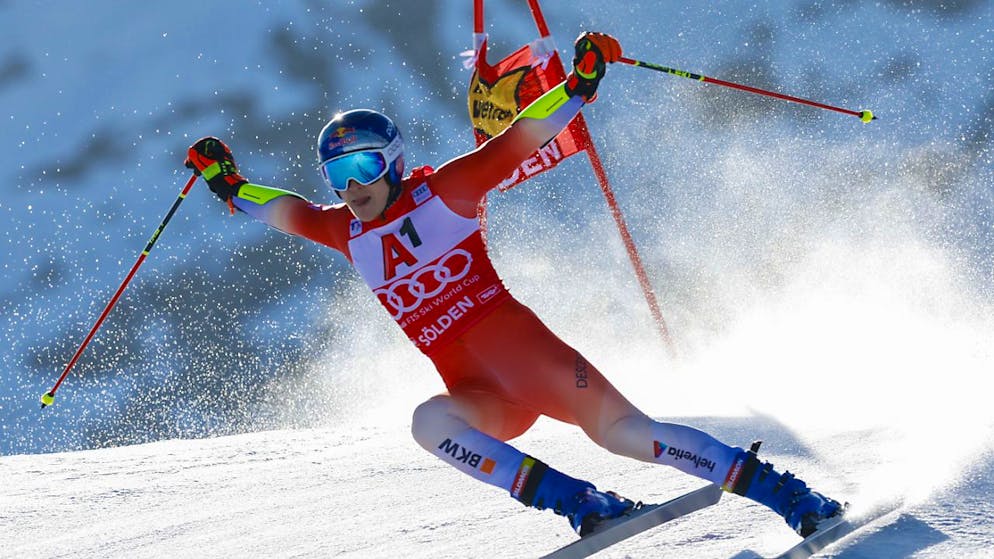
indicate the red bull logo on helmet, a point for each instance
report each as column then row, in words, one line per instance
column 342, row 136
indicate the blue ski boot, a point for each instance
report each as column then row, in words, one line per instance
column 595, row 507
column 802, row 508
column 537, row 485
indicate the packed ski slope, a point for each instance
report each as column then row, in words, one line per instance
column 369, row 492
column 828, row 283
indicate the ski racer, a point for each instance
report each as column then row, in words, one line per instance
column 417, row 243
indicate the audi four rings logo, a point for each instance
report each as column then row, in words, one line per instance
column 407, row 294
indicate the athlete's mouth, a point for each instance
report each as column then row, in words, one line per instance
column 361, row 201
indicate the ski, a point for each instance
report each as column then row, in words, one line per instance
column 637, row 521
column 829, row 532
column 833, row 530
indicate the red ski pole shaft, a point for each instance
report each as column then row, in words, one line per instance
column 49, row 397
column 864, row 115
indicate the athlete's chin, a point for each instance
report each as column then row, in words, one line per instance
column 364, row 209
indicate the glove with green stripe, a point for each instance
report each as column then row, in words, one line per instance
column 592, row 53
column 211, row 159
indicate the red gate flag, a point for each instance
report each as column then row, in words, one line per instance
column 496, row 96
column 498, row 93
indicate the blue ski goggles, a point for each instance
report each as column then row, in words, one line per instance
column 364, row 167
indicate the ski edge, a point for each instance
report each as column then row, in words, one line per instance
column 639, row 521
column 836, row 531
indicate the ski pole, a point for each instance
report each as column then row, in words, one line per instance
column 864, row 115
column 49, row 397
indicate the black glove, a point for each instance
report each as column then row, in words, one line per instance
column 592, row 53
column 211, row 159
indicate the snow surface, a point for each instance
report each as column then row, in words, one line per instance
column 370, row 492
column 829, row 284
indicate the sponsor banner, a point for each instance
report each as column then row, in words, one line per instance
column 498, row 93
